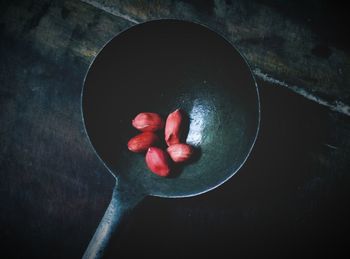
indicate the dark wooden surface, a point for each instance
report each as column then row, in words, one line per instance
column 290, row 198
column 301, row 45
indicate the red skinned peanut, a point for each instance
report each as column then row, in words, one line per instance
column 158, row 161
column 142, row 142
column 180, row 152
column 148, row 121
column 173, row 128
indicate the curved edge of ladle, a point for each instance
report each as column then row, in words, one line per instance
column 121, row 204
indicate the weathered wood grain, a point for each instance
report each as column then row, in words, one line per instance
column 274, row 45
column 277, row 48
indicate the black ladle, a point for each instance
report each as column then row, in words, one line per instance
column 159, row 66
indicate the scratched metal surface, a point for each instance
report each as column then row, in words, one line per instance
column 291, row 196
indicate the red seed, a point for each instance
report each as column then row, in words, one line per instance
column 157, row 161
column 142, row 142
column 180, row 152
column 173, row 128
column 148, row 121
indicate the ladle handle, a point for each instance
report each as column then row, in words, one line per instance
column 121, row 203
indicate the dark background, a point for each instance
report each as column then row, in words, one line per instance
column 290, row 199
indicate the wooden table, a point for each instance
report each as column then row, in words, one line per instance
column 291, row 196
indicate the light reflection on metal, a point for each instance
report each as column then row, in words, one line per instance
column 199, row 116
